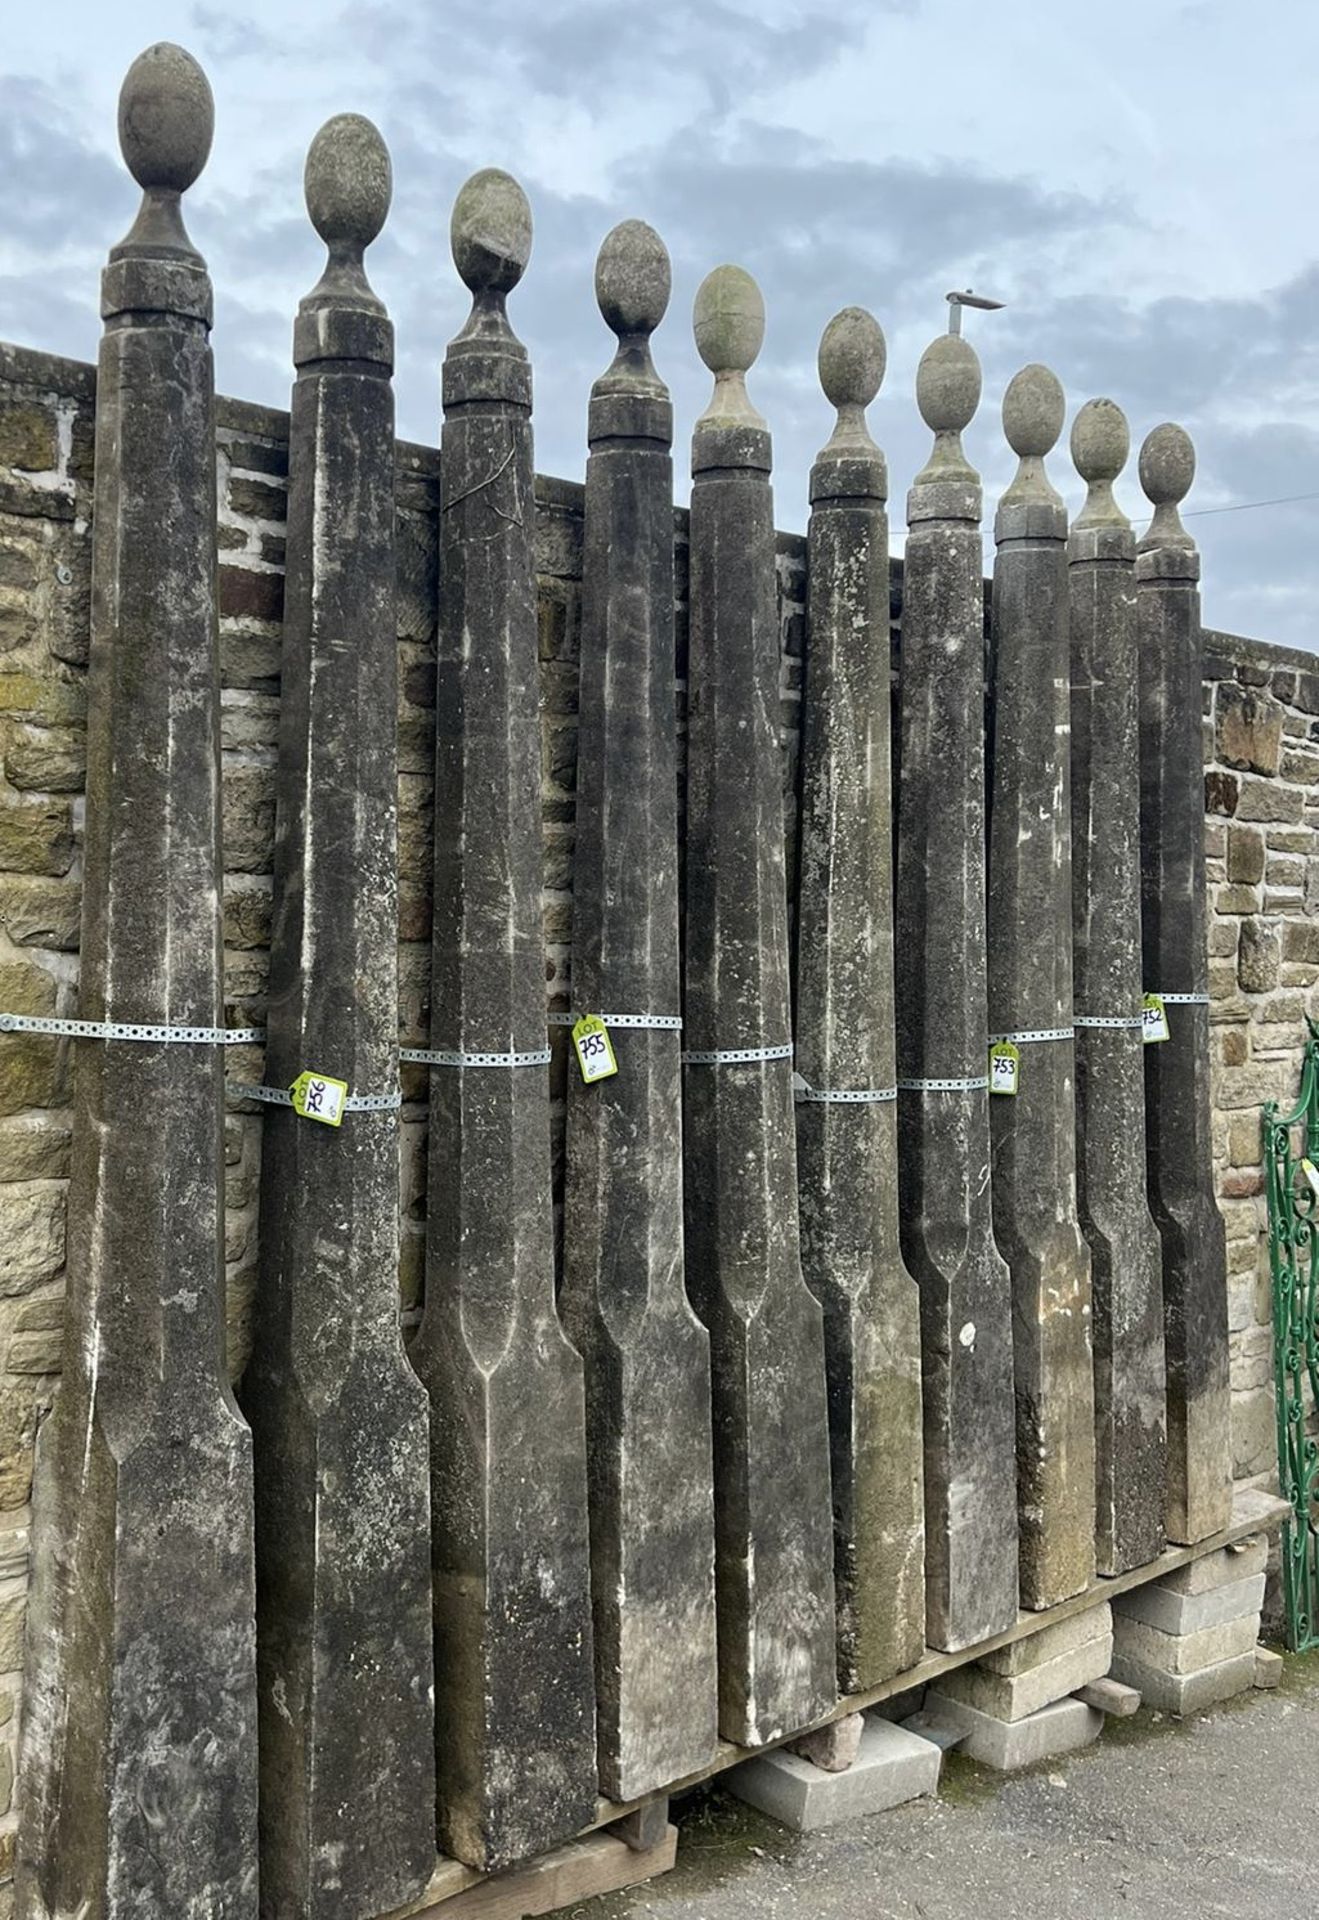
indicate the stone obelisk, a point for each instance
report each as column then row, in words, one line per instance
column 846, row 1095
column 647, row 1356
column 774, row 1538
column 339, row 1419
column 138, row 1775
column 1179, row 1147
column 515, row 1706
column 942, row 1021
column 1110, row 1097
column 1030, row 1009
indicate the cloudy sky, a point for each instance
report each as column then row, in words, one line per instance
column 1137, row 180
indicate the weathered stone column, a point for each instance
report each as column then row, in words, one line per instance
column 339, row 1419
column 774, row 1538
column 646, row 1354
column 1030, row 1006
column 1179, row 1164
column 515, row 1708
column 1110, row 1097
column 943, row 1119
column 139, row 1765
column 846, row 1108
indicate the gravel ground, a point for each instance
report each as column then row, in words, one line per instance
column 1161, row 1819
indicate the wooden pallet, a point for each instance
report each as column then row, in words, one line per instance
column 580, row 1870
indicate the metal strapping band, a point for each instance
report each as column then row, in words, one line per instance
column 734, row 1056
column 1033, row 1033
column 1182, row 999
column 842, row 1096
column 126, row 1030
column 281, row 1097
column 429, row 1057
column 1109, row 1020
column 669, row 1022
column 943, row 1086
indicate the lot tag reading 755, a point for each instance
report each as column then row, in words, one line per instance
column 595, row 1053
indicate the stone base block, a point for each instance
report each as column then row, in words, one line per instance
column 1051, row 1643
column 1008, row 1744
column 1268, row 1668
column 1183, row 1693
column 891, row 1766
column 1018, row 1695
column 833, row 1748
column 1220, row 1569
column 1182, row 1653
column 1183, row 1613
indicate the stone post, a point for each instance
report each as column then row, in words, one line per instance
column 515, row 1707
column 774, row 1546
column 943, row 1119
column 1110, row 1096
column 339, row 1419
column 139, row 1765
column 846, row 1108
column 1179, row 1163
column 646, row 1354
column 1030, row 1007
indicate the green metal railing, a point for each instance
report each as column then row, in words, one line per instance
column 1291, row 1163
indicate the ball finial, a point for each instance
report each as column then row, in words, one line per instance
column 1100, row 442
column 348, row 182
column 166, row 118
column 728, row 318
column 490, row 232
column 1167, row 465
column 633, row 278
column 852, row 358
column 948, row 384
column 1034, row 409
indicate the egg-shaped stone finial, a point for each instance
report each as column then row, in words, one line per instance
column 1100, row 443
column 851, row 363
column 633, row 279
column 948, row 393
column 728, row 319
column 1034, row 409
column 1167, row 468
column 348, row 183
column 490, row 232
column 166, row 118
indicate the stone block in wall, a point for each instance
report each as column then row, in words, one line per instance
column 36, row 837
column 1254, row 1430
column 29, row 437
column 1300, row 940
column 1301, row 764
column 1247, row 728
column 29, row 1063
column 1222, row 791
column 1259, row 956
column 249, row 818
column 45, row 759
column 31, row 1235
column 1269, row 800
column 38, row 912
column 33, row 1147
column 1237, row 899
column 1245, row 855
column 1307, row 692
column 1245, row 1145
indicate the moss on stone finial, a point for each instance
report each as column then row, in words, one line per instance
column 348, row 183
column 728, row 319
column 490, row 232
column 633, row 279
column 1167, row 468
column 948, row 393
column 1100, row 444
column 166, row 118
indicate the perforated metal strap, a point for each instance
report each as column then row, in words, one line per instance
column 972, row 1084
column 1109, row 1019
column 842, row 1096
column 1032, row 1034
column 130, row 1030
column 440, row 1057
column 734, row 1056
column 666, row 1022
column 1182, row 999
column 281, row 1097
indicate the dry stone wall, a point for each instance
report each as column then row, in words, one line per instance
column 1262, row 801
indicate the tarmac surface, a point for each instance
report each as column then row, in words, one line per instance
column 1160, row 1819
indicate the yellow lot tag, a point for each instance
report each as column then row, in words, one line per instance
column 1311, row 1172
column 317, row 1097
column 1004, row 1067
column 595, row 1053
column 1153, row 1019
